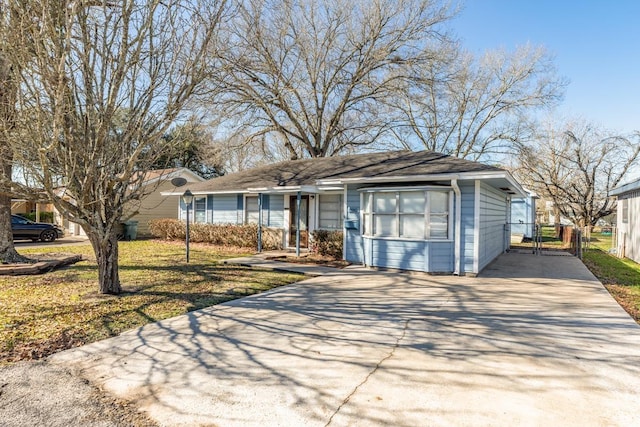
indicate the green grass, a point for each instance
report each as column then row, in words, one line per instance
column 621, row 277
column 549, row 237
column 42, row 314
column 601, row 241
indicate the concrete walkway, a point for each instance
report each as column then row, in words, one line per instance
column 533, row 341
column 261, row 261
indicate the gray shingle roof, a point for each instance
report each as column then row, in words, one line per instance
column 372, row 165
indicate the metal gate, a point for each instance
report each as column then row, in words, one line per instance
column 562, row 240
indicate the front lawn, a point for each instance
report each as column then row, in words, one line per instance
column 42, row 314
column 621, row 277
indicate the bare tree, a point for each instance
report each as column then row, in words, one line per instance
column 314, row 74
column 101, row 83
column 8, row 94
column 577, row 168
column 473, row 108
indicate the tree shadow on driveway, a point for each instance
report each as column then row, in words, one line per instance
column 373, row 348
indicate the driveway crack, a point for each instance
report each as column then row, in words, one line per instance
column 373, row 371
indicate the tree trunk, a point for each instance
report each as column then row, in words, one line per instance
column 8, row 252
column 556, row 220
column 106, row 249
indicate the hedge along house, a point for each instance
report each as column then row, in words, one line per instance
column 421, row 211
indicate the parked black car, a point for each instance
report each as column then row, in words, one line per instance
column 24, row 229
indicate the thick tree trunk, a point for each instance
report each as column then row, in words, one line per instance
column 8, row 252
column 105, row 248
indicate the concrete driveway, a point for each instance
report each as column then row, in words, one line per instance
column 533, row 341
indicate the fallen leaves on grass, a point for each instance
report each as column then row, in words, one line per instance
column 40, row 315
column 628, row 298
column 621, row 277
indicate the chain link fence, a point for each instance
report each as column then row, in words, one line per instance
column 559, row 239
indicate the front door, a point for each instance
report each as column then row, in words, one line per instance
column 304, row 221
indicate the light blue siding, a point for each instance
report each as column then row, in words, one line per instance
column 493, row 217
column 353, row 239
column 224, row 209
column 275, row 211
column 209, row 208
column 428, row 256
column 467, row 224
column 441, row 257
column 239, row 209
column 404, row 255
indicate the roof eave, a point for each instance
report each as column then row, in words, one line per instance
column 626, row 188
column 516, row 188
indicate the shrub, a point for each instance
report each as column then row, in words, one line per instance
column 44, row 216
column 167, row 229
column 327, row 243
column 240, row 235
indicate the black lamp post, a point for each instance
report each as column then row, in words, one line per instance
column 187, row 198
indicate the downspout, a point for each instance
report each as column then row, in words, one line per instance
column 458, row 222
column 259, row 222
column 298, row 203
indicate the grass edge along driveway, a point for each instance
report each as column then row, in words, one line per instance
column 43, row 314
column 621, row 277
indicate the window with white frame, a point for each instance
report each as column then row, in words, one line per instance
column 251, row 210
column 200, row 209
column 330, row 212
column 625, row 210
column 411, row 214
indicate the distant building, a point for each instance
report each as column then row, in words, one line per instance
column 628, row 220
column 523, row 215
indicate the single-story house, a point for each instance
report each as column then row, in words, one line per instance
column 523, row 215
column 628, row 220
column 423, row 211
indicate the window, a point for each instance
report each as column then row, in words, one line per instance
column 200, row 209
column 438, row 215
column 330, row 215
column 625, row 211
column 385, row 221
column 251, row 210
column 412, row 223
column 412, row 214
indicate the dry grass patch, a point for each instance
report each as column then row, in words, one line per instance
column 42, row 314
column 621, row 277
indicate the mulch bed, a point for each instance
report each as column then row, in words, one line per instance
column 311, row 259
column 44, row 263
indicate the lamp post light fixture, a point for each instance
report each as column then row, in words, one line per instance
column 187, row 199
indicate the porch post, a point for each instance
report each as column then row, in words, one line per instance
column 298, row 203
column 259, row 222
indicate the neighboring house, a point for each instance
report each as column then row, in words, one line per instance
column 523, row 215
column 154, row 205
column 24, row 206
column 550, row 218
column 628, row 220
column 421, row 211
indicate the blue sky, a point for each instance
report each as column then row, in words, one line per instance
column 596, row 45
